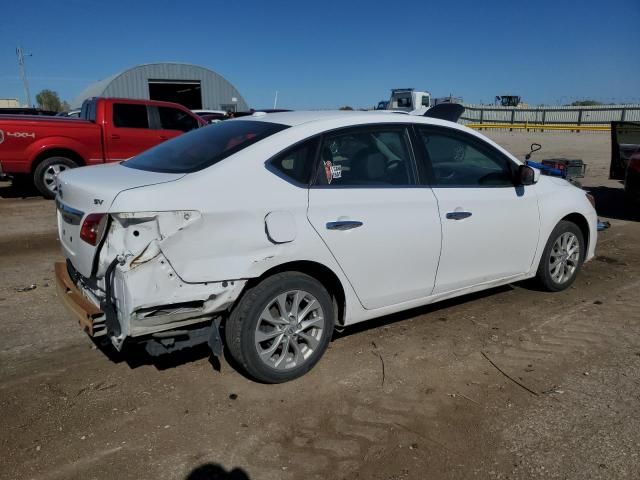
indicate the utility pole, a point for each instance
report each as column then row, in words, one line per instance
column 23, row 73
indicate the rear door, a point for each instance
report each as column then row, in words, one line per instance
column 379, row 224
column 130, row 131
column 490, row 227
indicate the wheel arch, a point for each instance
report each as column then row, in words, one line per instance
column 321, row 273
column 581, row 222
column 57, row 152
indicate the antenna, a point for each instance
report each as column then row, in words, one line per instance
column 23, row 74
column 275, row 101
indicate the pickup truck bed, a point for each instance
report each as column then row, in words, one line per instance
column 109, row 130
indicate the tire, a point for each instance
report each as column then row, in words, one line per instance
column 291, row 344
column 46, row 172
column 560, row 262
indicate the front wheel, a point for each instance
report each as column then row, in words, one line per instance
column 281, row 327
column 45, row 174
column 562, row 257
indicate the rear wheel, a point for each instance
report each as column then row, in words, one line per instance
column 45, row 174
column 281, row 327
column 562, row 257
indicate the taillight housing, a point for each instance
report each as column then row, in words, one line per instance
column 93, row 228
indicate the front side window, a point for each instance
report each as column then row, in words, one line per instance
column 129, row 115
column 404, row 102
column 460, row 161
column 378, row 157
column 203, row 147
column 175, row 119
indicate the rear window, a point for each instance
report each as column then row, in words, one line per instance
column 130, row 115
column 203, row 147
column 174, row 119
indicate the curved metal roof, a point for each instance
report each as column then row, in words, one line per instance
column 133, row 83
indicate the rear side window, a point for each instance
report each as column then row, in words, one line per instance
column 174, row 119
column 378, row 157
column 203, row 147
column 88, row 110
column 296, row 163
column 128, row 115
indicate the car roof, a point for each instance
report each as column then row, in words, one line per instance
column 342, row 118
column 295, row 118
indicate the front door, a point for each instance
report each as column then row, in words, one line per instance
column 490, row 227
column 382, row 228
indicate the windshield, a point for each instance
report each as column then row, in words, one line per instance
column 203, row 147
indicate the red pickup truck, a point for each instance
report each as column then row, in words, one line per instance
column 108, row 130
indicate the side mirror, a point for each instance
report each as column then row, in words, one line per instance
column 526, row 176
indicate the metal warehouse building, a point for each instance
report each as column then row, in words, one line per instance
column 190, row 85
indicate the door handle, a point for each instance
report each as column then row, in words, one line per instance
column 458, row 215
column 343, row 225
column 163, row 137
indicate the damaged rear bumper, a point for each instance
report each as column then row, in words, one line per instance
column 131, row 290
column 90, row 317
column 148, row 301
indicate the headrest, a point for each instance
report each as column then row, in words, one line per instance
column 376, row 166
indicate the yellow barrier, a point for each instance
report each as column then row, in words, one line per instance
column 539, row 126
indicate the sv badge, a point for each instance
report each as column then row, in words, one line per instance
column 97, row 201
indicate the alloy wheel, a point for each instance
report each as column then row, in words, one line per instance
column 289, row 330
column 564, row 258
column 50, row 175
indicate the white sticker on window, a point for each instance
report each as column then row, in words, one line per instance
column 336, row 171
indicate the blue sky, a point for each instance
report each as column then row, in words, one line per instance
column 327, row 54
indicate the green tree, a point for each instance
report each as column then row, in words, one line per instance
column 49, row 100
column 346, row 107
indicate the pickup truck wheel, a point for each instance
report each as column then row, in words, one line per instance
column 44, row 176
column 281, row 327
column 562, row 257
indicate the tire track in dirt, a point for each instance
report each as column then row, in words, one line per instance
column 582, row 330
column 358, row 429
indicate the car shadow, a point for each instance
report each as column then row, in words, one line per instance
column 135, row 355
column 610, row 203
column 418, row 311
column 214, row 471
column 12, row 189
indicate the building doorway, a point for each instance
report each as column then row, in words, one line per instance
column 185, row 92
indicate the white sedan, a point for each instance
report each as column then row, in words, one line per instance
column 266, row 232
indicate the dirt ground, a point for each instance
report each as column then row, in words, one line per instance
column 419, row 395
